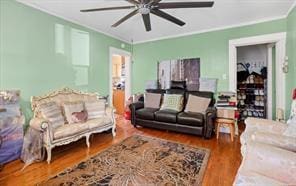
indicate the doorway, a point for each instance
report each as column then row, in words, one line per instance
column 275, row 54
column 119, row 79
column 254, row 83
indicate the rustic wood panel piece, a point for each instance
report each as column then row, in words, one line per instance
column 223, row 164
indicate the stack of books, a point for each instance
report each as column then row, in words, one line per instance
column 226, row 100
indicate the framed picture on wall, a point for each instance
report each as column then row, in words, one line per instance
column 179, row 70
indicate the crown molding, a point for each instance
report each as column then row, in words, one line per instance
column 212, row 29
column 157, row 38
column 291, row 8
column 32, row 5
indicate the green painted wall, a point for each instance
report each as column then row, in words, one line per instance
column 210, row 47
column 40, row 52
column 291, row 52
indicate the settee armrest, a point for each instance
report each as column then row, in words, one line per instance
column 110, row 113
column 281, row 141
column 39, row 124
column 270, row 161
column 134, row 107
column 210, row 116
column 266, row 125
column 44, row 126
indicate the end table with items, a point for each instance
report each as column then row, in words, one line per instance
column 226, row 117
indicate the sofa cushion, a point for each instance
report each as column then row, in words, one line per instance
column 152, row 100
column 69, row 130
column 203, row 94
column 173, row 102
column 146, row 113
column 197, row 104
column 169, row 116
column 98, row 122
column 189, row 118
column 53, row 113
column 95, row 109
column 70, row 108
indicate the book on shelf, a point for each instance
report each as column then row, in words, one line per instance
column 226, row 100
column 226, row 107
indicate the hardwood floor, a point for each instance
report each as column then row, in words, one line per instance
column 224, row 160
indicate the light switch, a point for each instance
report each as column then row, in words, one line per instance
column 224, row 76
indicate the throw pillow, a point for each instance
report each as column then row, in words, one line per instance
column 79, row 116
column 172, row 102
column 71, row 107
column 197, row 104
column 95, row 109
column 53, row 113
column 152, row 100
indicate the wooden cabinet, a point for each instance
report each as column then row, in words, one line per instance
column 118, row 101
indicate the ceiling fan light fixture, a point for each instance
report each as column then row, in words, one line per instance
column 144, row 11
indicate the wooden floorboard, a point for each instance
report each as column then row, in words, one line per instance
column 223, row 164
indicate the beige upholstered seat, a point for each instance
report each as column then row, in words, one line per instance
column 98, row 122
column 69, row 130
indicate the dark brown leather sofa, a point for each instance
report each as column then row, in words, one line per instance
column 201, row 124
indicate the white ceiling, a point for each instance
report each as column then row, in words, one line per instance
column 225, row 13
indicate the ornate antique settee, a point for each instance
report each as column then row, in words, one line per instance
column 68, row 133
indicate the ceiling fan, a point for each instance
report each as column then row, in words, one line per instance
column 145, row 7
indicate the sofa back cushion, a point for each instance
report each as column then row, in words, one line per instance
column 172, row 102
column 156, row 91
column 178, row 85
column 60, row 97
column 53, row 113
column 70, row 108
column 152, row 100
column 197, row 104
column 95, row 109
column 176, row 91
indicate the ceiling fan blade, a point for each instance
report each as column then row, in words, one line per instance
column 134, row 2
column 125, row 18
column 154, row 2
column 108, row 8
column 168, row 17
column 147, row 23
column 185, row 5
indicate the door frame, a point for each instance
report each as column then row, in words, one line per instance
column 279, row 39
column 128, row 73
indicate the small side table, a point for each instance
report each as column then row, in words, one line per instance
column 221, row 122
column 226, row 118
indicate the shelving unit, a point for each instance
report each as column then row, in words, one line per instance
column 252, row 99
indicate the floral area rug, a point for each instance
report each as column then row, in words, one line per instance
column 139, row 161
